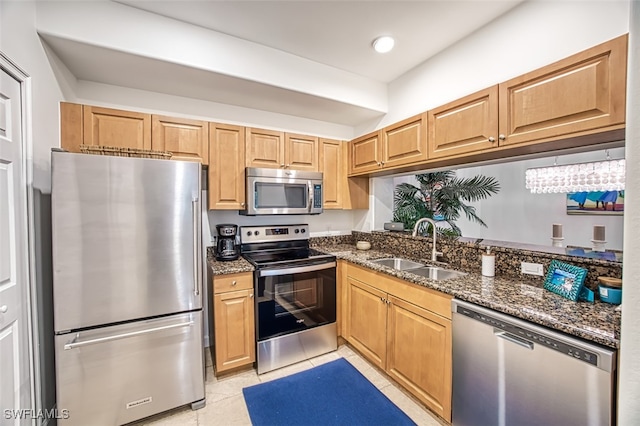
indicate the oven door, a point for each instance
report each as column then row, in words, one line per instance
column 295, row 298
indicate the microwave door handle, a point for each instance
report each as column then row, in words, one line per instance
column 310, row 189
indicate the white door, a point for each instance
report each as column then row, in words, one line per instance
column 15, row 385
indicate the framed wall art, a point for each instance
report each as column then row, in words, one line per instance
column 565, row 279
column 597, row 202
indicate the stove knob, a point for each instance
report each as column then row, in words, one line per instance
column 303, row 230
column 297, row 231
column 249, row 233
column 257, row 232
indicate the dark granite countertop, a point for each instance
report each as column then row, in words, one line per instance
column 229, row 267
column 597, row 322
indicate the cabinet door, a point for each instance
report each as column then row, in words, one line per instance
column 116, row 128
column 365, row 154
column 466, row 125
column 331, row 163
column 301, row 152
column 71, row 126
column 366, row 321
column 419, row 354
column 234, row 329
column 185, row 139
column 226, row 167
column 405, row 142
column 265, row 148
column 582, row 94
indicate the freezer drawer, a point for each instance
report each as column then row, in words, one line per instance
column 115, row 375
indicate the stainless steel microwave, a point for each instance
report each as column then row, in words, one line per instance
column 277, row 191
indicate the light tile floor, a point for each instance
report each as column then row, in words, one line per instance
column 226, row 406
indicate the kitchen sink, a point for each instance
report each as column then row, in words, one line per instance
column 398, row 263
column 437, row 273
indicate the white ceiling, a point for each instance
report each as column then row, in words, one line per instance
column 326, row 68
column 339, row 33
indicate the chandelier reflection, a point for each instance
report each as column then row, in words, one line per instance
column 584, row 177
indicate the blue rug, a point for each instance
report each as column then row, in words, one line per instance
column 330, row 394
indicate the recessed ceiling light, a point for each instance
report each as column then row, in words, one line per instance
column 383, row 44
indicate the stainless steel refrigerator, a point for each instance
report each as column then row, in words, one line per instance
column 127, row 271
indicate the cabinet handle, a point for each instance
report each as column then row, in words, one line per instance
column 287, row 166
column 234, row 282
column 282, row 165
column 382, row 164
column 382, row 299
column 492, row 139
column 251, row 296
column 4, row 309
column 241, row 204
column 502, row 137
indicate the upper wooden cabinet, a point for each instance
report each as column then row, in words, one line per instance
column 584, row 93
column 301, row 152
column 396, row 145
column 405, row 142
column 116, row 128
column 226, row 167
column 264, row 148
column 185, row 139
column 365, row 153
column 279, row 150
column 338, row 190
column 465, row 125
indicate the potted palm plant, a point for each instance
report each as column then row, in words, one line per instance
column 441, row 196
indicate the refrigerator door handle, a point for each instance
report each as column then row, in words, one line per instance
column 75, row 344
column 197, row 272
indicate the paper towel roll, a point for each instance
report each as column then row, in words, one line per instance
column 488, row 265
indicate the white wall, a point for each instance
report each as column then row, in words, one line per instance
column 515, row 214
column 629, row 374
column 330, row 222
column 18, row 41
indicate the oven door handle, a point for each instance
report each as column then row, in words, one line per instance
column 297, row 270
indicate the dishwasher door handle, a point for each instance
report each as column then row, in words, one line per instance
column 512, row 338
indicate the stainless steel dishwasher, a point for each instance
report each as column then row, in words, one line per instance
column 507, row 371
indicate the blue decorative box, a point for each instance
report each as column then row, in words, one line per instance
column 610, row 294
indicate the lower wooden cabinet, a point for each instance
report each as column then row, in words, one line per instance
column 404, row 330
column 233, row 321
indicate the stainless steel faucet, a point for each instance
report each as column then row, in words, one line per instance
column 434, row 252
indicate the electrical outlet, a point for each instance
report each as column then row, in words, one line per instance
column 531, row 268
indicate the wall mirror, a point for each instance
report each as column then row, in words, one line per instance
column 515, row 217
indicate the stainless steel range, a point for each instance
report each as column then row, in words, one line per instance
column 295, row 288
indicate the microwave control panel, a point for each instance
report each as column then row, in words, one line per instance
column 317, row 196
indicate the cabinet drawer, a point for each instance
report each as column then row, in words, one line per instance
column 232, row 282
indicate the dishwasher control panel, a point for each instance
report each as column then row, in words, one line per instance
column 531, row 337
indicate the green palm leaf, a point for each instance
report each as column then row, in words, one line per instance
column 444, row 195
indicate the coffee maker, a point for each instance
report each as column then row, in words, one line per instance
column 226, row 248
